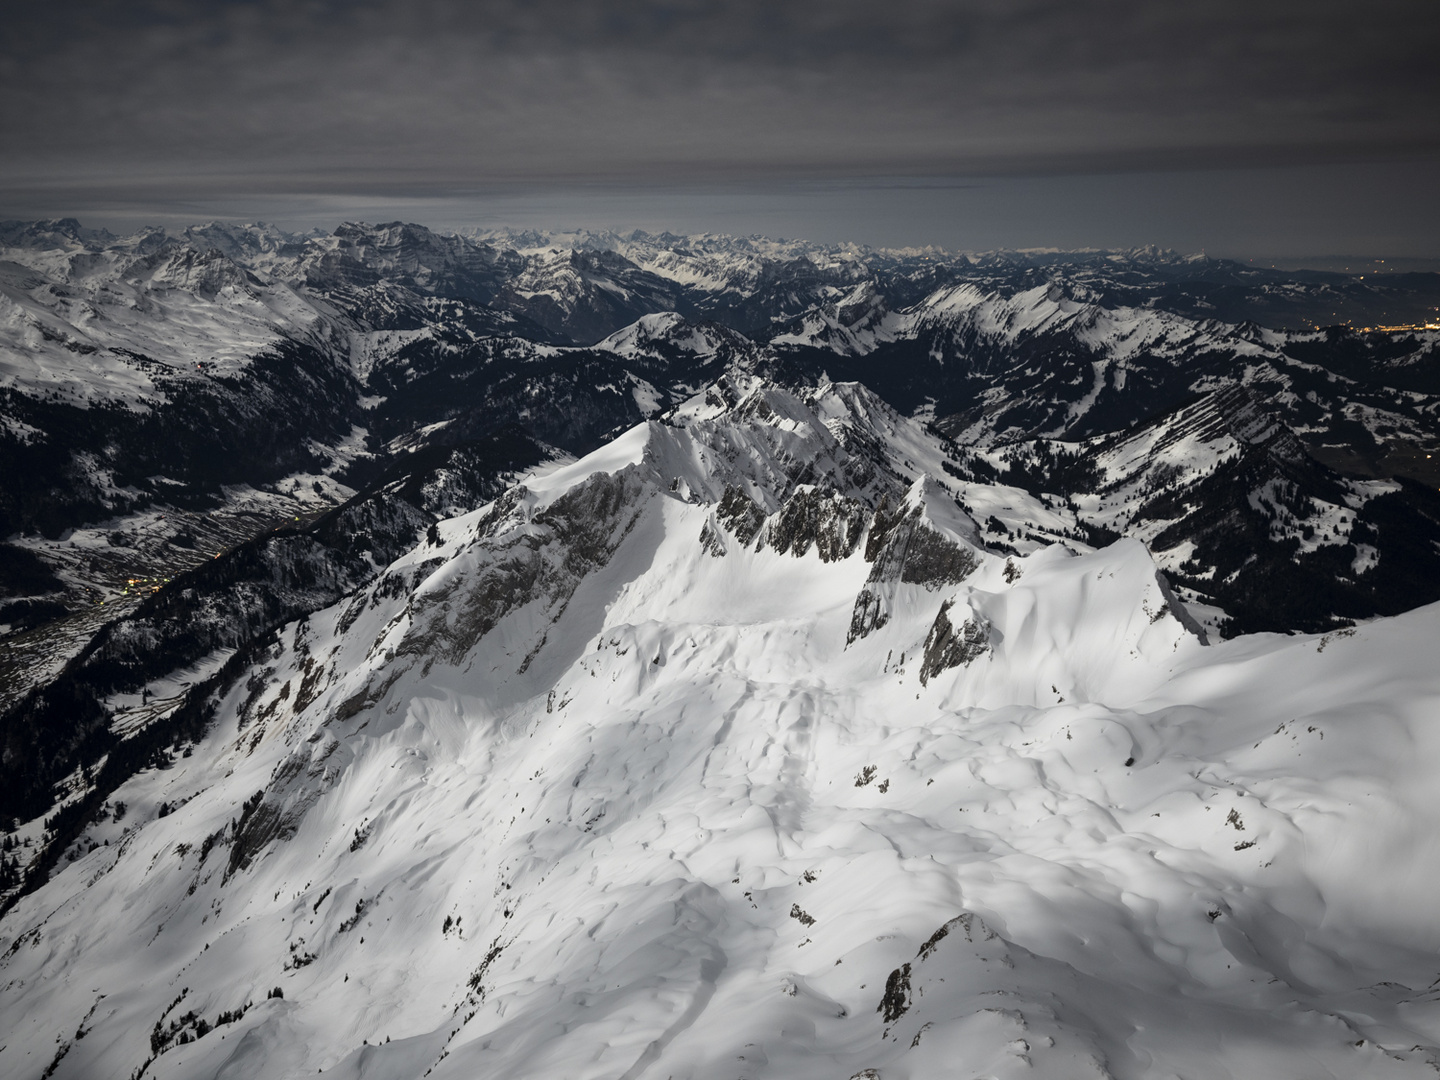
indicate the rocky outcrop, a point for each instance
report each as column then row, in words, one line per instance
column 535, row 558
column 820, row 517
column 948, row 646
column 906, row 549
column 739, row 515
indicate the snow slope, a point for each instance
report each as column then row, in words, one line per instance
column 99, row 327
column 612, row 781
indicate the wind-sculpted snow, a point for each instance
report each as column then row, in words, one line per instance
column 563, row 794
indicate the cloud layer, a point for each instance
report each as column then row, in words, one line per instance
column 425, row 97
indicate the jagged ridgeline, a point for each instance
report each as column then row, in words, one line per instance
column 319, row 354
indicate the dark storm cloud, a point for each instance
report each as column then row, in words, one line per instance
column 430, row 96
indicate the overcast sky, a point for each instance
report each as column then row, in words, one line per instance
column 1269, row 128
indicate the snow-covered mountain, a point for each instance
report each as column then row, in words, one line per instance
column 733, row 748
column 1232, row 506
column 168, row 396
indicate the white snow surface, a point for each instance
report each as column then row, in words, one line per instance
column 670, row 824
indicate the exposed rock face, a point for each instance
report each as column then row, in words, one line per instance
column 830, row 521
column 257, row 827
column 895, row 1002
column 1174, row 606
column 739, row 514
column 930, row 559
column 822, row 518
column 535, row 559
column 712, row 540
column 905, row 549
column 948, row 646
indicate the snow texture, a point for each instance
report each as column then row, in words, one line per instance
column 568, row 795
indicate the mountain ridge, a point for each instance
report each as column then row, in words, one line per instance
column 599, row 778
